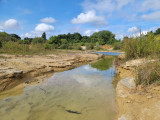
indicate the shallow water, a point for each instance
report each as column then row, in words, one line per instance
column 83, row 93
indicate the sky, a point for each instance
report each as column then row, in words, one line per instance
column 30, row 18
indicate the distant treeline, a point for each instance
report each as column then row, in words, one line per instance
column 8, row 42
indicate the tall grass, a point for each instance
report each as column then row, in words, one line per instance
column 148, row 74
column 145, row 46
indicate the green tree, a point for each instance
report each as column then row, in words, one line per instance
column 15, row 36
column 54, row 40
column 44, row 36
column 103, row 37
column 157, row 31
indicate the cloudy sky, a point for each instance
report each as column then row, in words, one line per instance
column 29, row 18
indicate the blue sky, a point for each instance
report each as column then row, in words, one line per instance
column 29, row 18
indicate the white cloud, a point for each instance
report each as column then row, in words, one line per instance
column 90, row 32
column 89, row 17
column 121, row 3
column 48, row 20
column 1, row 27
column 44, row 28
column 99, row 5
column 151, row 4
column 133, row 30
column 11, row 24
column 119, row 36
column 152, row 16
column 104, row 5
column 29, row 35
column 39, row 29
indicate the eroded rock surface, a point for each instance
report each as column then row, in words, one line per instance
column 13, row 69
column 136, row 102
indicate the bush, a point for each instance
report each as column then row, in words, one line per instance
column 14, row 47
column 38, row 40
column 148, row 74
column 89, row 46
column 142, row 46
column 117, row 46
column 98, row 47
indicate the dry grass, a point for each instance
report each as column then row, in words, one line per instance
column 148, row 74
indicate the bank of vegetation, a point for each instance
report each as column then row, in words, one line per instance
column 147, row 47
column 13, row 44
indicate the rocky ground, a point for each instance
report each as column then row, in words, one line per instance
column 136, row 102
column 15, row 70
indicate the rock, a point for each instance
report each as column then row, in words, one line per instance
column 149, row 97
column 123, row 117
column 121, row 56
column 128, row 82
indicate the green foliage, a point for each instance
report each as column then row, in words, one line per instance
column 14, row 47
column 44, row 36
column 157, row 31
column 54, row 40
column 38, row 40
column 118, row 46
column 89, row 46
column 15, row 36
column 144, row 46
column 0, row 44
column 103, row 64
column 4, row 37
column 103, row 37
column 98, row 47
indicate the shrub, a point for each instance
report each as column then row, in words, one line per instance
column 89, row 46
column 148, row 74
column 117, row 46
column 38, row 40
column 142, row 46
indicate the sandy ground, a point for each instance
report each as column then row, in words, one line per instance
column 136, row 102
column 19, row 71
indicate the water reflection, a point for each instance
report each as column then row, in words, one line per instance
column 84, row 93
column 103, row 64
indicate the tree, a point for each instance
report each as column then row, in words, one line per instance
column 157, row 31
column 15, row 36
column 104, row 37
column 54, row 40
column 44, row 36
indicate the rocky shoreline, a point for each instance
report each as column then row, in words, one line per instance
column 16, row 70
column 136, row 102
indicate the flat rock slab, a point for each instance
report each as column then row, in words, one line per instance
column 129, row 83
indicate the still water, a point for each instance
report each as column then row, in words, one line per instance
column 83, row 93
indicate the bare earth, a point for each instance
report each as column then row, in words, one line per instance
column 18, row 71
column 136, row 103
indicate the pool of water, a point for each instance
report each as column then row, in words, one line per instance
column 83, row 93
column 110, row 53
